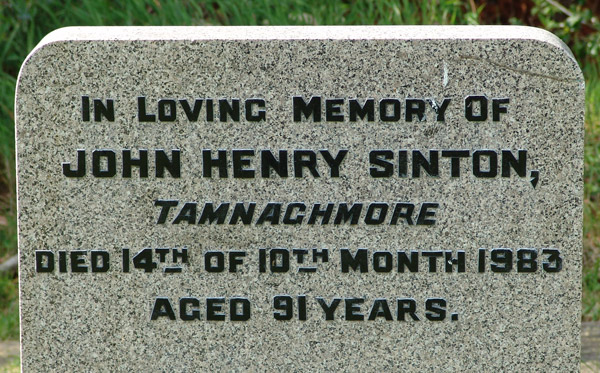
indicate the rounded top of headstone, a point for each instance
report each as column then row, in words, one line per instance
column 266, row 33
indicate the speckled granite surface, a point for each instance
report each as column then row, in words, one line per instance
column 473, row 314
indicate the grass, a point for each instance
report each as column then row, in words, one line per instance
column 9, row 313
column 13, row 367
column 24, row 22
column 591, row 221
column 591, row 286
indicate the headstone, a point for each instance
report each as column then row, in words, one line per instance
column 287, row 198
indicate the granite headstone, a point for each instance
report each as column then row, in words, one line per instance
column 300, row 198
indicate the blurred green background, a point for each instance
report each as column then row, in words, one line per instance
column 23, row 23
